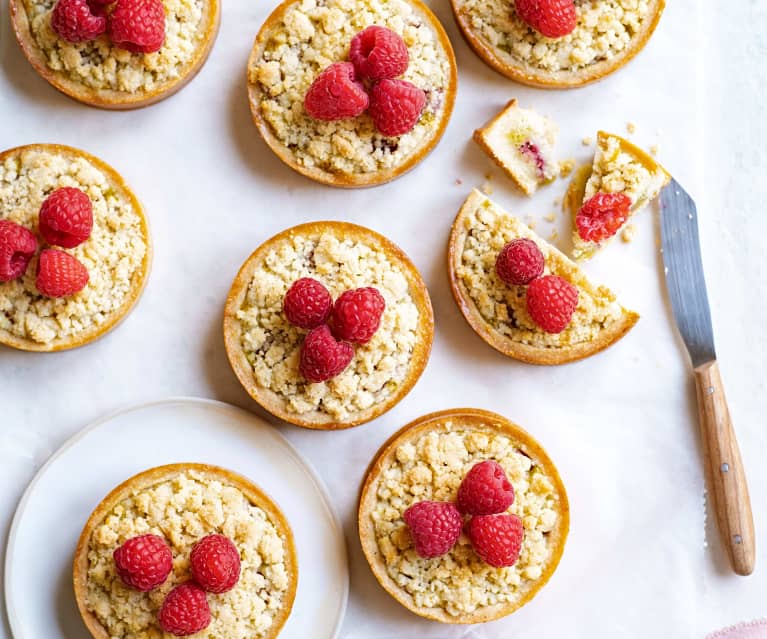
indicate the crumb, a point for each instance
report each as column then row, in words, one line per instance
column 554, row 235
column 550, row 217
column 628, row 233
column 566, row 167
column 631, row 127
column 654, row 149
column 530, row 221
column 458, row 181
column 487, row 188
column 587, row 141
column 557, row 201
column 489, row 176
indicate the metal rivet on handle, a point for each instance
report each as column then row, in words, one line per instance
column 725, row 468
column 738, row 539
column 710, row 390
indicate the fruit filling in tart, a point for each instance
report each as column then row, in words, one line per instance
column 622, row 180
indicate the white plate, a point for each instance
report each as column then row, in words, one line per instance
column 50, row 516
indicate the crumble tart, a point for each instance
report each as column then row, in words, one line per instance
column 117, row 254
column 103, row 75
column 521, row 142
column 498, row 312
column 301, row 38
column 608, row 33
column 427, row 460
column 619, row 167
column 182, row 503
column 264, row 348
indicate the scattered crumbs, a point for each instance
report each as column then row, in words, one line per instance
column 530, row 221
column 631, row 127
column 554, row 235
column 550, row 217
column 557, row 201
column 587, row 141
column 487, row 188
column 489, row 176
column 654, row 149
column 458, row 181
column 629, row 232
column 566, row 167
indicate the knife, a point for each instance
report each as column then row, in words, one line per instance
column 689, row 302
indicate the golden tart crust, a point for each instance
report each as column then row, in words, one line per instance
column 118, row 253
column 110, row 525
column 348, row 153
column 263, row 348
column 608, row 34
column 102, row 75
column 498, row 313
column 426, row 460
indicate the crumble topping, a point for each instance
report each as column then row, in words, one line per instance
column 113, row 254
column 312, row 35
column 182, row 510
column 432, row 468
column 272, row 345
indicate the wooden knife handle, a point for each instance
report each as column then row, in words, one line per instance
column 727, row 479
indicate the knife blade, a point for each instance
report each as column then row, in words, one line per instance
column 686, row 287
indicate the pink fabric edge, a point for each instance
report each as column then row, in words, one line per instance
column 742, row 630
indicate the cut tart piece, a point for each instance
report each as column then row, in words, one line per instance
column 103, row 74
column 619, row 167
column 498, row 311
column 268, row 352
column 607, row 34
column 301, row 39
column 427, row 460
column 521, row 142
column 116, row 253
column 182, row 504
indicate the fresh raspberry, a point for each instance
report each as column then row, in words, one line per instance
column 143, row 562
column 602, row 215
column 138, row 25
column 378, row 53
column 66, row 217
column 552, row 18
column 74, row 21
column 322, row 356
column 519, row 262
column 185, row 610
column 18, row 245
column 59, row 274
column 336, row 94
column 485, row 490
column 551, row 302
column 215, row 563
column 307, row 303
column 357, row 314
column 395, row 106
column 497, row 539
column 434, row 526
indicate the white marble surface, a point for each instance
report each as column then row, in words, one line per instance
column 621, row 425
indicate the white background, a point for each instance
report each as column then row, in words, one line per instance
column 621, row 426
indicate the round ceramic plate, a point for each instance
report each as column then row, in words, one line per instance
column 53, row 510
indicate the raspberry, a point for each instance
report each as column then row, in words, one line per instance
column 74, row 21
column 602, row 215
column 519, row 262
column 552, row 18
column 143, row 562
column 378, row 53
column 18, row 245
column 184, row 611
column 533, row 153
column 138, row 25
column 66, row 217
column 322, row 357
column 357, row 314
column 59, row 274
column 434, row 526
column 551, row 302
column 485, row 490
column 215, row 563
column 307, row 303
column 497, row 539
column 395, row 106
column 336, row 94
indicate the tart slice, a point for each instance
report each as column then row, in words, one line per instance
column 521, row 142
column 622, row 169
column 427, row 461
column 498, row 312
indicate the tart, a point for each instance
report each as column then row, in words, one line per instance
column 521, row 142
column 301, row 38
column 103, row 75
column 608, row 33
column 264, row 348
column 183, row 503
column 117, row 254
column 427, row 460
column 498, row 312
column 619, row 167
